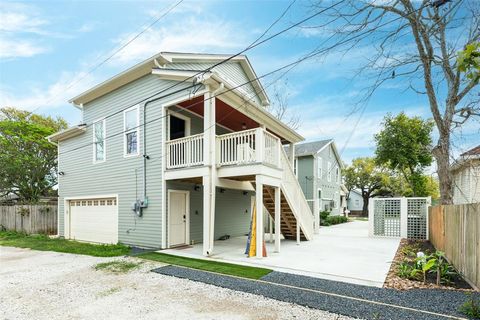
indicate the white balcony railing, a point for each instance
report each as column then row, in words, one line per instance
column 185, row 152
column 249, row 146
column 243, row 147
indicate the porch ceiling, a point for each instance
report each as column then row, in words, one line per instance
column 225, row 115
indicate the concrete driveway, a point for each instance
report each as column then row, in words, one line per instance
column 342, row 252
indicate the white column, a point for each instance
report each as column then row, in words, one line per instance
column 206, row 216
column 298, row 233
column 277, row 219
column 403, row 217
column 270, row 227
column 291, row 154
column 259, row 221
column 209, row 158
column 371, row 225
column 316, row 200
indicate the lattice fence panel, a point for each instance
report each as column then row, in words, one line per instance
column 387, row 217
column 399, row 217
column 417, row 209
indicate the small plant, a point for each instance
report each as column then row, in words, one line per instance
column 443, row 269
column 471, row 307
column 425, row 263
column 408, row 271
column 410, row 249
column 117, row 266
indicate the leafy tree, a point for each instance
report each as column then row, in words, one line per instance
column 28, row 162
column 469, row 61
column 367, row 176
column 399, row 187
column 412, row 44
column 404, row 146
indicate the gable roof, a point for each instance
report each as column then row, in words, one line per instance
column 163, row 59
column 310, row 148
column 472, row 152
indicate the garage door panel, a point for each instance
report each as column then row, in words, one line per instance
column 94, row 220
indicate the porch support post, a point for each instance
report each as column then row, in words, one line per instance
column 291, row 155
column 277, row 219
column 259, row 220
column 206, row 216
column 298, row 233
column 209, row 181
column 316, row 200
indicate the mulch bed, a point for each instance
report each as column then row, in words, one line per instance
column 393, row 281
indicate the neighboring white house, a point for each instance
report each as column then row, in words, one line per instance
column 466, row 177
column 355, row 202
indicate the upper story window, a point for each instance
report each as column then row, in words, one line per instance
column 131, row 121
column 337, row 174
column 319, row 167
column 329, row 173
column 99, row 141
column 295, row 166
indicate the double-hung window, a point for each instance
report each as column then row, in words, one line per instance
column 99, row 132
column 131, row 121
column 319, row 167
column 337, row 174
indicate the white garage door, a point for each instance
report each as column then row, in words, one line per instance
column 94, row 220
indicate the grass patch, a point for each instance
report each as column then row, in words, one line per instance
column 44, row 243
column 117, row 266
column 206, row 265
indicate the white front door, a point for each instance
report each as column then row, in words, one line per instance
column 178, row 218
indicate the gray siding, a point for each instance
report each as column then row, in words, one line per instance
column 231, row 71
column 330, row 189
column 119, row 175
column 355, row 201
column 307, row 172
column 232, row 214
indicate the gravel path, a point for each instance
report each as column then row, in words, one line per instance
column 436, row 301
column 49, row 285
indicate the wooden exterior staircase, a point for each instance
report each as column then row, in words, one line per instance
column 288, row 222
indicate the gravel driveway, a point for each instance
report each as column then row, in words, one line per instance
column 50, row 285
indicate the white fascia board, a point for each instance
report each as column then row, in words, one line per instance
column 67, row 133
column 181, row 75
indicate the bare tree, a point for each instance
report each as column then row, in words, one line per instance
column 279, row 106
column 415, row 44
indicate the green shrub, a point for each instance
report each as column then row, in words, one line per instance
column 324, row 215
column 471, row 307
column 337, row 219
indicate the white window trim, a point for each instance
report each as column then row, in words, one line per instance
column 104, row 124
column 337, row 174
column 329, row 173
column 319, row 167
column 125, row 132
column 180, row 116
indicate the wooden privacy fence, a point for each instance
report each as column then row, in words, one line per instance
column 455, row 230
column 39, row 218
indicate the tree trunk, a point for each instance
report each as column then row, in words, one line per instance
column 365, row 205
column 442, row 153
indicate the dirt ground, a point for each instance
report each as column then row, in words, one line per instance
column 50, row 285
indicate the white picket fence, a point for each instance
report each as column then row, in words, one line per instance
column 399, row 217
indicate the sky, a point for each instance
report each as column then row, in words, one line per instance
column 50, row 51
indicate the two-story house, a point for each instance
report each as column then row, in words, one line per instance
column 318, row 168
column 466, row 177
column 175, row 151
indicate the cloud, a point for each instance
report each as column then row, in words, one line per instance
column 20, row 18
column 187, row 34
column 53, row 96
column 16, row 48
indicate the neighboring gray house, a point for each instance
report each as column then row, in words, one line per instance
column 355, row 202
column 319, row 171
column 169, row 154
